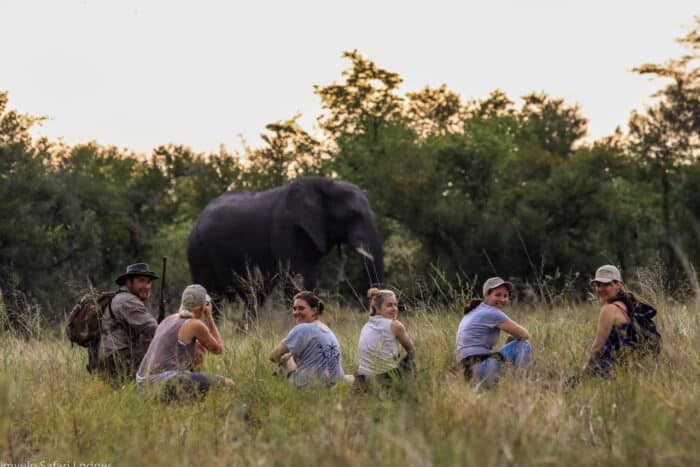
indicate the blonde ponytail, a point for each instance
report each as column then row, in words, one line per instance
column 376, row 298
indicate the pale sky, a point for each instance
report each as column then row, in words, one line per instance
column 137, row 74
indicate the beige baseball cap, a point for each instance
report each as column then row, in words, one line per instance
column 606, row 274
column 493, row 282
column 193, row 297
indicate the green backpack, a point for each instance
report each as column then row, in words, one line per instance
column 83, row 324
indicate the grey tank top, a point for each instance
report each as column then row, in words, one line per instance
column 166, row 352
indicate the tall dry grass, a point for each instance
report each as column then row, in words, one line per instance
column 52, row 410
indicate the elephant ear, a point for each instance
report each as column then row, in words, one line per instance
column 305, row 208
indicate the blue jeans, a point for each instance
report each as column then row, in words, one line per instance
column 519, row 353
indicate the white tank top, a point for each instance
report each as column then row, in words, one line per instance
column 379, row 350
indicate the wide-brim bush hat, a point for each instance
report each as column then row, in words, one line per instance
column 494, row 282
column 136, row 269
column 606, row 274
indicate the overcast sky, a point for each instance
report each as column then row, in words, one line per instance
column 138, row 74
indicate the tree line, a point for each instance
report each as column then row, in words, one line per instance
column 461, row 189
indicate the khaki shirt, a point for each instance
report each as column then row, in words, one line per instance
column 133, row 329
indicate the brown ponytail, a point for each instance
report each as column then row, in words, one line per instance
column 625, row 297
column 311, row 299
column 473, row 303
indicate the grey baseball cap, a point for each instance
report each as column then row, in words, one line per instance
column 606, row 274
column 193, row 297
column 493, row 282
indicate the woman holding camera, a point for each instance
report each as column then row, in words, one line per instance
column 175, row 356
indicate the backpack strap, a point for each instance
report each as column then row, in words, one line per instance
column 622, row 309
column 109, row 307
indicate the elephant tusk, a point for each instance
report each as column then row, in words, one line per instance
column 364, row 253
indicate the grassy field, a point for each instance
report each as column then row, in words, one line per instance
column 52, row 410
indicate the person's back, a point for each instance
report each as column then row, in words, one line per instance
column 379, row 349
column 317, row 354
column 173, row 362
column 167, row 354
column 477, row 333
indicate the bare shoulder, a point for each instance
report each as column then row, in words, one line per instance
column 195, row 324
column 397, row 326
column 609, row 312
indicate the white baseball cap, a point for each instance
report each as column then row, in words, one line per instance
column 493, row 282
column 606, row 274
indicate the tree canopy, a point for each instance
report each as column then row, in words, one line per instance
column 461, row 189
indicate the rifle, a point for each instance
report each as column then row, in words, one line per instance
column 161, row 307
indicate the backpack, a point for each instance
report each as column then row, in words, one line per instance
column 642, row 333
column 83, row 324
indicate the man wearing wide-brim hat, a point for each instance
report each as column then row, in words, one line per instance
column 127, row 326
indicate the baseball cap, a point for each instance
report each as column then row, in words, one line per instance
column 606, row 274
column 493, row 282
column 193, row 297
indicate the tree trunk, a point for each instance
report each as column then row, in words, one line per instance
column 666, row 216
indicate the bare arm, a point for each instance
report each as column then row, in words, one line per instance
column 399, row 331
column 277, row 353
column 606, row 320
column 206, row 334
column 212, row 328
column 514, row 329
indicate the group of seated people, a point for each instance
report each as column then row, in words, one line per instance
column 311, row 354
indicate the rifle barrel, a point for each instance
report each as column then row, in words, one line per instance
column 161, row 307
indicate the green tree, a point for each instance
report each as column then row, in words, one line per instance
column 364, row 103
column 289, row 152
column 44, row 234
column 550, row 125
column 97, row 183
column 666, row 136
column 434, row 111
column 180, row 182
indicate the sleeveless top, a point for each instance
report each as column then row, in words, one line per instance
column 379, row 350
column 166, row 354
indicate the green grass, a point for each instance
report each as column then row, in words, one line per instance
column 52, row 410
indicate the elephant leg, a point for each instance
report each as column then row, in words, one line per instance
column 217, row 304
column 290, row 290
column 309, row 277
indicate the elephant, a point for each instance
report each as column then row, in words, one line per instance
column 290, row 226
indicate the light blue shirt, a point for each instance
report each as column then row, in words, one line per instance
column 477, row 333
column 317, row 354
